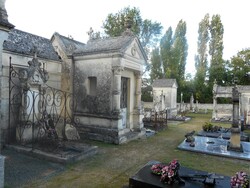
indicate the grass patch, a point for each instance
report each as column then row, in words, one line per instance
column 114, row 164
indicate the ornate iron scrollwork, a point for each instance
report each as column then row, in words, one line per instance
column 37, row 116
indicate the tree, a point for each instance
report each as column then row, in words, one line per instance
column 156, row 67
column 240, row 67
column 146, row 30
column 217, row 64
column 179, row 53
column 201, row 62
column 146, row 94
column 115, row 24
column 166, row 50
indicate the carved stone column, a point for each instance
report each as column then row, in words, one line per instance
column 234, row 143
column 138, row 90
column 138, row 112
column 117, row 88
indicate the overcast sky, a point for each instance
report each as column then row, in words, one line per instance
column 75, row 17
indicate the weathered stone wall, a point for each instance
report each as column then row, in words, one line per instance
column 66, row 67
column 53, row 67
column 4, row 87
column 101, row 102
column 200, row 106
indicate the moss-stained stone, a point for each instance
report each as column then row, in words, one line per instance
column 99, row 104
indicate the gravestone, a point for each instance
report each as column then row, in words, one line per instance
column 71, row 132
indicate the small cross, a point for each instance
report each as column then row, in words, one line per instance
column 35, row 51
column 90, row 32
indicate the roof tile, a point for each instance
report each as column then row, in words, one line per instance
column 24, row 43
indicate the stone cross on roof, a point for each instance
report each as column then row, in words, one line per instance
column 128, row 25
column 90, row 33
column 35, row 51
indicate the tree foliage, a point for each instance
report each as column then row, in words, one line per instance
column 147, row 31
column 174, row 52
column 201, row 62
column 115, row 24
column 217, row 64
column 239, row 67
column 166, row 51
column 180, row 48
column 156, row 67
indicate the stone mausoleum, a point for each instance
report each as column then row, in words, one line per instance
column 165, row 95
column 107, row 86
column 225, row 112
column 103, row 76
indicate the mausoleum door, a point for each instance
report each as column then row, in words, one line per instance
column 124, row 100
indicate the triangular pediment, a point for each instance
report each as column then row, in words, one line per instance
column 135, row 50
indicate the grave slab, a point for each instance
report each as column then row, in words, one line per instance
column 144, row 178
column 223, row 134
column 216, row 146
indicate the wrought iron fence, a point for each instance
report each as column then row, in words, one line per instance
column 154, row 119
column 38, row 114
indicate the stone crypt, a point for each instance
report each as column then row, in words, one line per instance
column 107, row 86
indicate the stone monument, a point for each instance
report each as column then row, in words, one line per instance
column 234, row 143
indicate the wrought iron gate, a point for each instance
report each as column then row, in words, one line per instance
column 38, row 114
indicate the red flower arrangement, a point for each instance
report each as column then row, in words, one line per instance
column 156, row 168
column 167, row 172
column 239, row 180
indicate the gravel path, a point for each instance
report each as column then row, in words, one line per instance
column 21, row 169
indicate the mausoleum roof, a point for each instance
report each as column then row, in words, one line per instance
column 223, row 89
column 24, row 43
column 70, row 45
column 243, row 88
column 164, row 83
column 112, row 44
column 228, row 89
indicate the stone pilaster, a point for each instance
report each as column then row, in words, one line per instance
column 117, row 88
column 138, row 111
column 4, row 83
column 5, row 27
column 138, row 90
